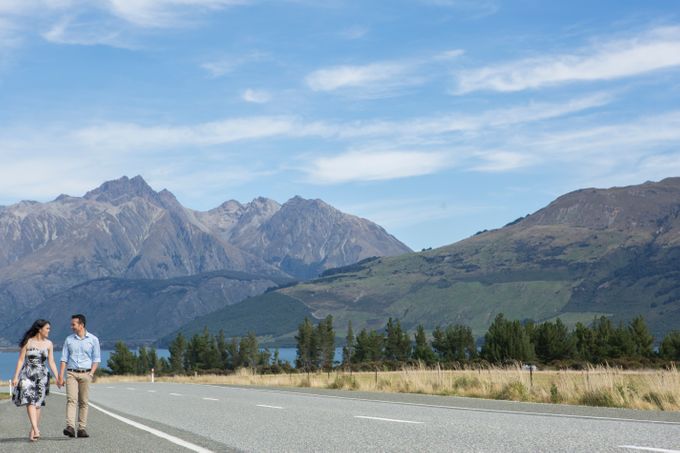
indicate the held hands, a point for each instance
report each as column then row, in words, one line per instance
column 60, row 381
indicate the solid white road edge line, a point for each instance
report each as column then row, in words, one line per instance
column 389, row 420
column 148, row 429
column 662, row 450
column 440, row 406
column 269, row 407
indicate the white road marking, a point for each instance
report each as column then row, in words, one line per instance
column 389, row 419
column 151, row 391
column 211, row 399
column 662, row 450
column 440, row 406
column 110, row 387
column 148, row 429
column 176, row 394
column 269, row 407
column 129, row 388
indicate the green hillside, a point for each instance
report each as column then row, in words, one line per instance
column 613, row 252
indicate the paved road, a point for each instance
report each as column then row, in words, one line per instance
column 219, row 418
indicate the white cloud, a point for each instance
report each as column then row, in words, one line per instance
column 356, row 32
column 450, row 123
column 474, row 8
column 376, row 165
column 337, row 77
column 164, row 13
column 256, row 96
column 501, row 161
column 68, row 31
column 223, row 66
column 657, row 49
column 133, row 137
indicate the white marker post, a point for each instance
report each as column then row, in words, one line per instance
column 152, row 376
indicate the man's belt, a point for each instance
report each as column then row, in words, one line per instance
column 79, row 370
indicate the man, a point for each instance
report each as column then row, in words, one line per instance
column 81, row 357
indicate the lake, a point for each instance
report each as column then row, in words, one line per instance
column 8, row 360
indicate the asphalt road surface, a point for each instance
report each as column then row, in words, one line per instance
column 182, row 417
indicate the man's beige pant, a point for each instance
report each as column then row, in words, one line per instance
column 77, row 394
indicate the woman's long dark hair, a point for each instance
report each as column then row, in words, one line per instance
column 33, row 331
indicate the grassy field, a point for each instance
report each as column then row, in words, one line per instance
column 597, row 386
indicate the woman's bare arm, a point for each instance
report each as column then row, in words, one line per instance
column 20, row 362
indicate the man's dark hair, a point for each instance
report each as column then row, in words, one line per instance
column 80, row 318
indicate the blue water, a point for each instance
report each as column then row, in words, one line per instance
column 8, row 360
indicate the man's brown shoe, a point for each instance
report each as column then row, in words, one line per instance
column 82, row 433
column 69, row 431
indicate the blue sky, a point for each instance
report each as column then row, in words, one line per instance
column 434, row 118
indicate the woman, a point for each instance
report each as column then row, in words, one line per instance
column 31, row 379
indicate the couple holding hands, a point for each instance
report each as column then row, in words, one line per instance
column 80, row 358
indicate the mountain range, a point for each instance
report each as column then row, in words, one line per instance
column 141, row 264
column 593, row 252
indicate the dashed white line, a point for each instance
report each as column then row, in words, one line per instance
column 440, row 406
column 175, row 394
column 211, row 399
column 389, row 420
column 129, row 388
column 151, row 391
column 269, row 407
column 661, row 450
column 110, row 387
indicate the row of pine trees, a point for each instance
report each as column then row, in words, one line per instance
column 454, row 345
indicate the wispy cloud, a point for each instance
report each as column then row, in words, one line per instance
column 133, row 137
column 651, row 51
column 474, row 8
column 256, row 96
column 226, row 65
column 165, row 13
column 356, row 32
column 73, row 32
column 377, row 79
column 376, row 165
column 337, row 77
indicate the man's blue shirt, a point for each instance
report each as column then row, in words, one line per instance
column 81, row 353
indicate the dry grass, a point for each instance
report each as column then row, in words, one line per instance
column 597, row 386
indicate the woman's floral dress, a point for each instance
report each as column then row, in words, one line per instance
column 34, row 379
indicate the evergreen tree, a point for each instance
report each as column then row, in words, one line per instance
column 307, row 349
column 325, row 338
column 621, row 343
column 422, row 350
column 369, row 347
column 397, row 342
column 642, row 339
column 222, row 350
column 142, row 361
column 122, row 360
column 154, row 362
column 553, row 341
column 348, row 350
column 670, row 346
column 233, row 358
column 248, row 350
column 584, row 338
column 177, row 353
column 456, row 343
column 507, row 340
column 603, row 331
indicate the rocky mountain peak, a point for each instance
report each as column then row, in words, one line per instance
column 624, row 208
column 122, row 190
